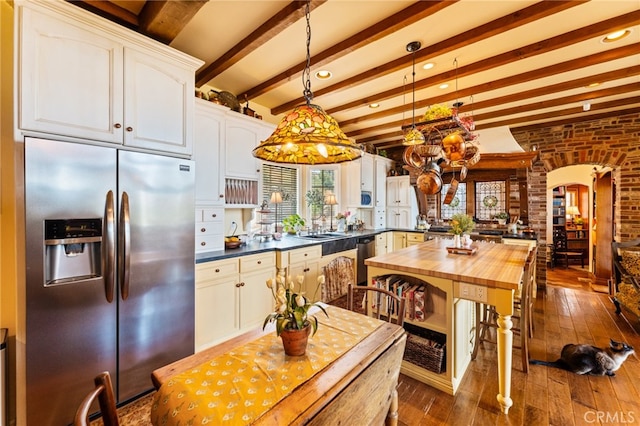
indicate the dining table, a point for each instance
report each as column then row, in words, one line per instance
column 348, row 375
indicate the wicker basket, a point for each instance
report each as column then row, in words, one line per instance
column 426, row 353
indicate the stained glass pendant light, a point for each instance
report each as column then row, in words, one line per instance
column 307, row 135
column 413, row 136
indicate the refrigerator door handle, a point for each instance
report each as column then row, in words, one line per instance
column 108, row 258
column 124, row 244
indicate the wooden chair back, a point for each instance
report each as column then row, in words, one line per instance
column 106, row 399
column 376, row 302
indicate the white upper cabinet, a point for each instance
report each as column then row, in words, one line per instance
column 207, row 153
column 159, row 103
column 358, row 181
column 243, row 134
column 81, row 76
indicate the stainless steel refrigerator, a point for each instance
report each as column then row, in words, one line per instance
column 110, row 271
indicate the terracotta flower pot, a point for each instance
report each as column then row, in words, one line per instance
column 295, row 341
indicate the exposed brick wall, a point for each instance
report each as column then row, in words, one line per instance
column 612, row 142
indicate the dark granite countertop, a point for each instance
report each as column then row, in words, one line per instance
column 290, row 242
column 287, row 242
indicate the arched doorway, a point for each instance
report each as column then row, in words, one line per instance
column 584, row 187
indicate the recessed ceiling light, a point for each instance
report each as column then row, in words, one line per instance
column 323, row 75
column 374, row 105
column 593, row 84
column 615, row 36
column 428, row 66
column 444, row 86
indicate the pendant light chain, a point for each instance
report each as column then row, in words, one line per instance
column 413, row 75
column 306, row 73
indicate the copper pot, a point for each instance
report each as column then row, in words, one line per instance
column 453, row 146
column 429, row 182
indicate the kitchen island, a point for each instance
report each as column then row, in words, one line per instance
column 453, row 283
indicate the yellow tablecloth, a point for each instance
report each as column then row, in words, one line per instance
column 238, row 387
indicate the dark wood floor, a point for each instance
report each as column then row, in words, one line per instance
column 569, row 312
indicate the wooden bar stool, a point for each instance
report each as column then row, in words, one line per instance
column 487, row 317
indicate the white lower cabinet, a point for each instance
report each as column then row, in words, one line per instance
column 209, row 229
column 304, row 261
column 384, row 244
column 231, row 297
column 400, row 217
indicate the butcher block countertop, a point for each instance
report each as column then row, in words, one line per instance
column 493, row 265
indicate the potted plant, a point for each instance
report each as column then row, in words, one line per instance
column 501, row 217
column 578, row 222
column 292, row 224
column 315, row 201
column 460, row 224
column 293, row 322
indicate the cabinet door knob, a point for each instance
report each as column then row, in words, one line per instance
column 117, row 125
column 204, row 244
column 305, row 255
column 217, row 270
column 259, row 262
column 203, row 229
column 221, row 195
column 129, row 129
column 238, row 284
column 241, row 284
column 214, row 215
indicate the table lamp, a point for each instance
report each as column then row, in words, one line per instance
column 331, row 201
column 573, row 212
column 276, row 198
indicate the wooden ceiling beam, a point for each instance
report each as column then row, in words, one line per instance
column 163, row 20
column 520, row 96
column 287, row 16
column 407, row 16
column 482, row 32
column 531, row 50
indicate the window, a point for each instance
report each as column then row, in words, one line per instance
column 490, row 199
column 284, row 180
column 324, row 181
column 457, row 205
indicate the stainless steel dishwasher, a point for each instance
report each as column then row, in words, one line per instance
column 366, row 248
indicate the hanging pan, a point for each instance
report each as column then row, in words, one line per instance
column 451, row 192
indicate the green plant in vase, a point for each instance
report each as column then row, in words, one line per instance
column 293, row 224
column 315, row 201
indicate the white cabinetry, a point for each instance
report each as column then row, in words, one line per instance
column 81, row 76
column 358, row 182
column 243, row 134
column 402, row 206
column 207, row 152
column 209, row 229
column 382, row 166
column 231, row 297
column 384, row 243
column 399, row 217
column 303, row 261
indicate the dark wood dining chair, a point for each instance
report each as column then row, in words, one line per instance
column 376, row 302
column 106, row 399
column 487, row 316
